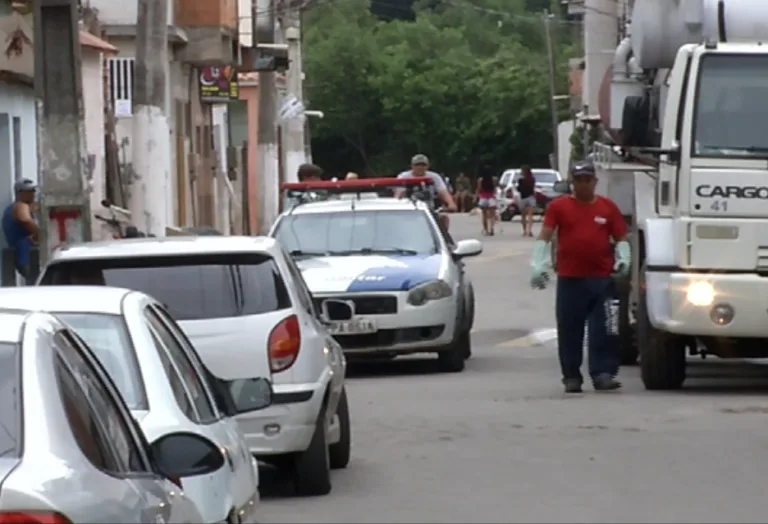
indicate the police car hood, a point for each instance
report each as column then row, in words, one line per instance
column 369, row 273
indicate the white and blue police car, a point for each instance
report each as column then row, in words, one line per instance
column 402, row 281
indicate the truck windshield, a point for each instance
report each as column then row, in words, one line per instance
column 731, row 110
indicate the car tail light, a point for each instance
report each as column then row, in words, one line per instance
column 284, row 343
column 510, row 193
column 32, row 517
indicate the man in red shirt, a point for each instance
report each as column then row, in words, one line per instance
column 592, row 246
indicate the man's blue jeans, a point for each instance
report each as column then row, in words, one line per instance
column 580, row 301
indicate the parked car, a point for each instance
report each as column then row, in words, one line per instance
column 71, row 451
column 389, row 258
column 244, row 304
column 508, row 197
column 164, row 384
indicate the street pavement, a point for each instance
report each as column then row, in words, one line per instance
column 500, row 442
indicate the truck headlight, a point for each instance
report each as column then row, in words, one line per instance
column 700, row 293
column 423, row 293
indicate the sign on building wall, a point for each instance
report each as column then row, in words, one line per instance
column 218, row 85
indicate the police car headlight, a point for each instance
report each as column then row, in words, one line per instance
column 423, row 293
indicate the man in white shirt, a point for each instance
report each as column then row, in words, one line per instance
column 420, row 168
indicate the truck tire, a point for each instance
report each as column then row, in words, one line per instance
column 312, row 467
column 662, row 355
column 627, row 328
column 340, row 452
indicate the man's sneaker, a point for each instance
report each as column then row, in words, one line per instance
column 572, row 386
column 606, row 383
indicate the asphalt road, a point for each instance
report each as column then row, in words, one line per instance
column 500, row 442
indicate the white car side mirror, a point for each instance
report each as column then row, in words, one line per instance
column 467, row 248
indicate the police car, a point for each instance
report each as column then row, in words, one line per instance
column 384, row 278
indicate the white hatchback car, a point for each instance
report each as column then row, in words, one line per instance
column 245, row 306
column 71, row 452
column 163, row 383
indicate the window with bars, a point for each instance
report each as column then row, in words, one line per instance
column 121, row 72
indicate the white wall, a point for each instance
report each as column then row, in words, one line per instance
column 221, row 141
column 123, row 13
column 124, row 126
column 93, row 99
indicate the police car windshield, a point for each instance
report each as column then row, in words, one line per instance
column 358, row 232
column 731, row 109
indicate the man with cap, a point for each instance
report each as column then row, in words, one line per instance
column 19, row 225
column 591, row 247
column 420, row 168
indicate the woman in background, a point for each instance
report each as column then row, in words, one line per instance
column 486, row 200
column 526, row 188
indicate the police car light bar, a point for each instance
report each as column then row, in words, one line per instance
column 358, row 185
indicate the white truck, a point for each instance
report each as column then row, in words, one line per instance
column 689, row 168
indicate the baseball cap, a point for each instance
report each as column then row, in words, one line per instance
column 25, row 184
column 419, row 159
column 583, row 169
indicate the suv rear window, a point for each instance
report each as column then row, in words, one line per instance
column 193, row 287
column 10, row 398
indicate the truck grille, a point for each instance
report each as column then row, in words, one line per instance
column 367, row 305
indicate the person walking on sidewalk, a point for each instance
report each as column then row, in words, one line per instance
column 526, row 188
column 587, row 259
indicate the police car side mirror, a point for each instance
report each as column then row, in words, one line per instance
column 332, row 310
column 467, row 248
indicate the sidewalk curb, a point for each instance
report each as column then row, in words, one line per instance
column 537, row 338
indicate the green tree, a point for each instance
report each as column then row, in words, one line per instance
column 461, row 83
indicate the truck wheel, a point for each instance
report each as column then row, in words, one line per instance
column 311, row 467
column 340, row 452
column 627, row 329
column 662, row 355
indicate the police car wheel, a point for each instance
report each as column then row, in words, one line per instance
column 452, row 359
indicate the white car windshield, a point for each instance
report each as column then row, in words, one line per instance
column 358, row 232
column 542, row 176
column 108, row 338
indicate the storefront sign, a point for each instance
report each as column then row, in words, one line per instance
column 218, row 85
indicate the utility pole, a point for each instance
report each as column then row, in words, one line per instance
column 65, row 214
column 264, row 19
column 552, row 88
column 151, row 154
column 294, row 143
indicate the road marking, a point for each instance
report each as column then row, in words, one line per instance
column 537, row 338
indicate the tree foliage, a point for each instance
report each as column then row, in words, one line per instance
column 462, row 83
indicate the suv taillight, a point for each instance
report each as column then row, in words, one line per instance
column 510, row 193
column 32, row 517
column 284, row 343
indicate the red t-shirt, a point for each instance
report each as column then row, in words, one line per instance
column 584, row 233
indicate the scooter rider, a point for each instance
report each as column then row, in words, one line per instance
column 420, row 168
column 586, row 260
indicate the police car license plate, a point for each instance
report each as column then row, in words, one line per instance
column 353, row 327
